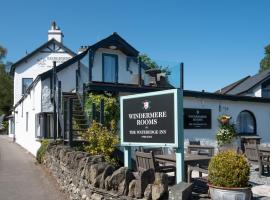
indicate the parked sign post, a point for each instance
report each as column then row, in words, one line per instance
column 153, row 119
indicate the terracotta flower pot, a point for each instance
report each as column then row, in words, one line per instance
column 225, row 193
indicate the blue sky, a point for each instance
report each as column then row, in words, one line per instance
column 219, row 41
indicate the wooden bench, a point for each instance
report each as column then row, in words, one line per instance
column 254, row 156
column 147, row 161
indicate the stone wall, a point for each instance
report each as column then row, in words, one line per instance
column 88, row 177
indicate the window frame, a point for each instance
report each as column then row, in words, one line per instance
column 115, row 56
column 254, row 124
column 23, row 92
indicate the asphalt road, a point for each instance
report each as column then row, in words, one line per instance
column 21, row 178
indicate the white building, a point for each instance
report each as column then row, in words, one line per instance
column 27, row 86
column 43, row 93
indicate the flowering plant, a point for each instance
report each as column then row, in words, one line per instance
column 225, row 134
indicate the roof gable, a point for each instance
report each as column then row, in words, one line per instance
column 44, row 48
column 250, row 83
column 117, row 41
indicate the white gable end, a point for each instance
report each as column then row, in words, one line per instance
column 39, row 63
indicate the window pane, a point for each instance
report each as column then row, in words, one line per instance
column 245, row 123
column 109, row 68
column 26, row 82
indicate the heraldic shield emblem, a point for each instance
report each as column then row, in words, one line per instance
column 146, row 105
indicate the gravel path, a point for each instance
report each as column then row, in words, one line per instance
column 260, row 186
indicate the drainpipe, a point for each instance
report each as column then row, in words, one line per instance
column 54, row 106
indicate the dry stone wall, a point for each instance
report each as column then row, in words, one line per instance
column 88, row 177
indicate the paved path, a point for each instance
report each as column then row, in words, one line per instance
column 21, row 178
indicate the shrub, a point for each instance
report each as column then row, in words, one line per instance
column 101, row 141
column 42, row 150
column 229, row 169
column 225, row 134
column 5, row 125
column 111, row 107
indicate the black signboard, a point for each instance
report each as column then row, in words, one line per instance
column 197, row 118
column 148, row 119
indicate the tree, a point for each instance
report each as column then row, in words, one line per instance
column 6, row 85
column 265, row 62
column 153, row 65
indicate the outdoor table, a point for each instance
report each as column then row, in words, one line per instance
column 209, row 149
column 264, row 150
column 190, row 159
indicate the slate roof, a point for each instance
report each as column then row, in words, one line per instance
column 228, row 88
column 245, row 84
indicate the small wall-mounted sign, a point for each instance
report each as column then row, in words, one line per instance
column 197, row 118
column 150, row 119
column 47, row 60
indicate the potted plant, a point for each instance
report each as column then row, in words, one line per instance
column 228, row 177
column 224, row 119
column 226, row 134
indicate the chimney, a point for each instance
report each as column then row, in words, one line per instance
column 82, row 49
column 55, row 33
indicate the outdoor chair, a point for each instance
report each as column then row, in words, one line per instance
column 156, row 151
column 147, row 161
column 197, row 168
column 254, row 156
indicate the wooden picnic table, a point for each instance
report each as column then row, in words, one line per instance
column 210, row 150
column 264, row 150
column 190, row 159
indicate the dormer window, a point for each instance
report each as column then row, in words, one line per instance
column 26, row 82
column 110, row 68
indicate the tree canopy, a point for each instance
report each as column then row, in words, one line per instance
column 265, row 62
column 6, row 85
column 153, row 65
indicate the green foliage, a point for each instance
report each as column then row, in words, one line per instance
column 225, row 134
column 229, row 169
column 42, row 150
column 5, row 125
column 101, row 141
column 265, row 62
column 111, row 107
column 6, row 85
column 153, row 65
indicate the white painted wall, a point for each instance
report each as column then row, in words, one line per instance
column 32, row 105
column 258, row 91
column 34, row 66
column 68, row 78
column 68, row 84
column 124, row 76
column 261, row 112
column 255, row 92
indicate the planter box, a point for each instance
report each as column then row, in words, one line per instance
column 222, row 193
